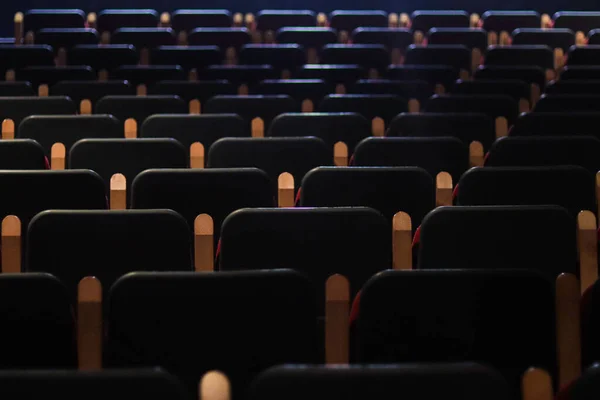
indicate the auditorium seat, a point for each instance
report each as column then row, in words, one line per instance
column 38, row 310
column 594, row 37
column 49, row 190
column 300, row 90
column 584, row 55
column 529, row 151
column 312, row 39
column 467, row 381
column 22, row 154
column 18, row 108
column 280, row 56
column 119, row 242
column 144, row 38
column 140, row 107
column 518, row 90
column 191, row 192
column 67, row 129
column 188, row 57
column 388, row 190
column 66, row 38
column 348, row 127
column 568, row 186
column 392, row 38
column 580, row 72
column 147, row 74
column 580, row 22
column 105, row 57
column 468, row 127
column 522, row 55
column 442, row 76
column 423, row 20
column 186, row 20
column 506, row 237
column 460, row 315
column 557, row 124
column 153, row 320
column 251, row 107
column 380, row 109
column 37, row 19
column 128, row 157
column 318, row 242
column 500, row 24
column 532, row 75
column 574, row 87
column 561, row 39
column 151, row 383
column 337, row 74
column 373, row 57
column 589, row 345
column 222, row 37
column 273, row 20
column 13, row 57
column 473, row 38
column 349, row 20
column 415, row 90
column 112, row 19
column 247, row 75
column 435, row 154
column 190, row 91
column 296, row 156
column 502, row 109
column 189, row 129
column 568, row 103
column 456, row 56
column 50, row 76
column 14, row 89
column 93, row 91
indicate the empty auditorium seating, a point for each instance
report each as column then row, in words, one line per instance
column 187, row 57
column 435, row 154
column 409, row 316
column 392, row 38
column 22, row 154
column 66, row 38
column 342, row 20
column 470, row 37
column 90, row 90
column 279, row 56
column 110, row 20
column 314, row 241
column 152, row 383
column 105, row 57
column 18, row 108
column 584, row 55
column 574, row 86
column 247, row 75
column 468, row 381
column 140, row 107
column 113, row 243
column 521, row 55
column 144, row 38
column 16, row 57
column 300, row 90
column 38, row 310
column 561, row 39
column 338, row 74
column 273, row 20
column 500, row 24
column 296, row 156
column 38, row 19
column 456, row 56
column 586, row 385
column 578, row 72
column 580, row 22
column 11, row 89
column 50, row 76
column 186, row 20
column 567, row 102
column 369, row 56
column 556, row 124
column 66, row 130
column 225, row 38
column 193, row 91
column 422, row 20
column 441, row 76
column 148, row 74
column 371, row 187
column 518, row 90
column 152, row 320
column 413, row 90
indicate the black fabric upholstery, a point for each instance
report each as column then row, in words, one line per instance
column 250, row 75
column 467, row 381
column 508, row 21
column 91, row 90
column 414, row 89
column 18, row 108
column 493, row 106
column 571, row 72
column 515, row 151
column 250, row 107
column 568, row 103
column 527, row 73
column 386, row 189
column 66, row 38
column 52, row 75
column 500, row 237
column 338, row 74
column 366, row 55
column 575, row 86
column 424, row 20
column 318, row 242
column 279, row 56
column 51, row 129
column 188, row 57
column 272, row 155
column 140, row 107
column 434, row 154
column 444, row 75
column 148, row 74
column 103, row 56
column 126, row 156
column 514, row 88
column 584, row 55
column 113, row 19
column 13, row 89
column 187, row 129
column 392, row 38
column 553, row 38
column 193, row 90
column 567, row 186
column 144, row 37
column 271, row 20
column 343, row 20
column 17, row 57
column 21, row 154
column 39, row 331
column 308, row 37
column 557, row 124
column 190, row 323
column 188, row 20
column 502, row 318
column 153, row 384
column 521, row 55
column 369, row 106
column 467, row 127
column 222, row 37
column 298, row 89
column 456, row 56
column 37, row 19
column 472, row 38
column 107, row 244
column 349, row 128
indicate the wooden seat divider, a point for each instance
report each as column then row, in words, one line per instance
column 197, row 155
column 402, row 241
column 204, row 243
column 214, row 385
column 587, row 243
column 537, row 385
column 337, row 315
column 285, row 190
column 443, row 189
column 58, row 154
column 118, row 192
column 11, row 245
column 89, row 324
column 340, row 154
column 476, row 154
column 8, row 129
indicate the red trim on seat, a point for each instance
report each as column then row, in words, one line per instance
column 354, row 310
column 298, row 196
column 46, row 162
column 416, row 238
column 455, row 194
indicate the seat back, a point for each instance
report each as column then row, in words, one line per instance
column 140, row 107
column 144, row 37
column 554, row 38
column 442, row 76
column 279, row 56
column 37, row 19
column 333, row 73
column 556, row 124
column 456, row 56
column 148, row 74
column 472, row 38
column 186, row 20
column 381, row 106
column 494, row 106
column 22, row 154
column 272, row 20
column 152, row 320
column 66, row 38
column 91, row 90
column 587, row 55
column 348, row 20
column 112, row 19
column 52, row 75
column 521, row 55
column 103, row 57
column 119, row 242
column 507, row 21
column 193, row 90
column 307, row 37
column 18, row 108
column 424, row 20
column 188, row 57
column 373, row 56
column 567, row 102
column 222, row 37
column 298, row 89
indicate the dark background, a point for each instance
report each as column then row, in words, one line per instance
column 10, row 7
